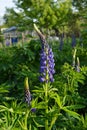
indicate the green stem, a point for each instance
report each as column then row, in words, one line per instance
column 30, row 127
column 46, row 100
column 26, row 117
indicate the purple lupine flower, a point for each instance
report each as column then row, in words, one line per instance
column 46, row 60
column 73, row 40
column 33, row 110
column 46, row 64
column 27, row 92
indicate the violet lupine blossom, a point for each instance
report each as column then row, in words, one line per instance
column 46, row 60
column 46, row 64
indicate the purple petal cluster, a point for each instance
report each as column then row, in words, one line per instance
column 46, row 64
column 46, row 59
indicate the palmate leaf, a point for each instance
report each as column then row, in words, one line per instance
column 75, row 106
column 34, row 102
column 58, row 100
column 4, row 88
column 9, row 118
column 39, row 121
column 22, row 125
column 39, row 91
column 84, row 120
column 13, row 123
column 53, row 121
column 3, row 108
column 13, row 107
column 1, row 121
column 54, row 115
column 52, row 89
column 41, row 105
column 71, row 113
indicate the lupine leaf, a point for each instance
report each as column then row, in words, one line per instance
column 71, row 113
column 38, row 122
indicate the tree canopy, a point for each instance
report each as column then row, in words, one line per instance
column 58, row 15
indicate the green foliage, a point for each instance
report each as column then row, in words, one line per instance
column 55, row 15
column 59, row 106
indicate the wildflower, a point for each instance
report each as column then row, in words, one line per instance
column 33, row 110
column 46, row 64
column 27, row 92
column 46, row 60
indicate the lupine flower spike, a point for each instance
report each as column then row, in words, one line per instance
column 46, row 59
column 78, row 65
column 27, row 92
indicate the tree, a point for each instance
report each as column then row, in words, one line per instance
column 50, row 14
column 80, row 4
column 55, row 15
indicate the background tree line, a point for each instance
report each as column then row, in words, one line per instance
column 58, row 15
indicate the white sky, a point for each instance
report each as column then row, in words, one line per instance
column 4, row 4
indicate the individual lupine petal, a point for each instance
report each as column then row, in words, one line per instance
column 52, row 71
column 51, row 77
column 33, row 109
column 51, row 61
column 27, row 92
column 42, row 79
